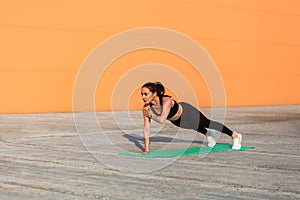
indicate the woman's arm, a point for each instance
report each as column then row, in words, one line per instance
column 146, row 135
column 167, row 104
column 146, row 114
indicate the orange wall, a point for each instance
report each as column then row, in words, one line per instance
column 255, row 44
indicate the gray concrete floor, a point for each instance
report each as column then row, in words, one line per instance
column 75, row 156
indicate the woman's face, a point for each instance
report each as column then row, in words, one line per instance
column 147, row 95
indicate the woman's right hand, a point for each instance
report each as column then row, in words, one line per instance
column 146, row 112
column 144, row 153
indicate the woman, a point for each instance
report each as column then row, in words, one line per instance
column 180, row 114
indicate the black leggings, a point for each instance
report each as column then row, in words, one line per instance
column 192, row 118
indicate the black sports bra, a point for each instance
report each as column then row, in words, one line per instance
column 172, row 113
column 173, row 110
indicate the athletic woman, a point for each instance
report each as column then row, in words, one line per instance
column 160, row 107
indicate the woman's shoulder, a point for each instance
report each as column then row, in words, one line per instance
column 167, row 99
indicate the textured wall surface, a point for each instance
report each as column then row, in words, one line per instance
column 255, row 45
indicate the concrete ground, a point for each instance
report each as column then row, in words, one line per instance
column 75, row 156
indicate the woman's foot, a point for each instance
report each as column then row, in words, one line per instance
column 237, row 141
column 211, row 134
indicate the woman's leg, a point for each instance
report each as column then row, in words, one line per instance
column 192, row 118
column 207, row 123
column 189, row 118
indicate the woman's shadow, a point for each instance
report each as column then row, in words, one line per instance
column 139, row 140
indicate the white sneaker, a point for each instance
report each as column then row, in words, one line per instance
column 237, row 142
column 211, row 138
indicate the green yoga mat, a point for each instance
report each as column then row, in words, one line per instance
column 185, row 151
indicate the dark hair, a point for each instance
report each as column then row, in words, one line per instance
column 151, row 86
column 160, row 89
column 157, row 87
